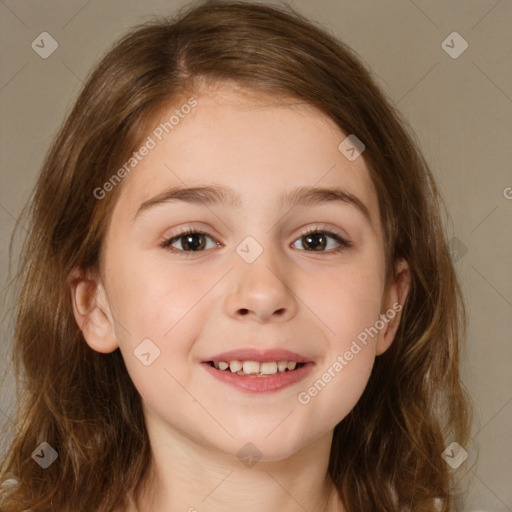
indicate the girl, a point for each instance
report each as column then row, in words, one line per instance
column 236, row 289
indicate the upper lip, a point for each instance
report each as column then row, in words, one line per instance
column 252, row 354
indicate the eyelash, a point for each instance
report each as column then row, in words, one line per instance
column 343, row 244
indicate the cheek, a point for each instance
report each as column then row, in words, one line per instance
column 151, row 297
column 341, row 376
column 348, row 304
column 345, row 300
column 335, row 392
column 156, row 309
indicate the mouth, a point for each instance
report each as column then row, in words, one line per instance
column 259, row 371
column 256, row 368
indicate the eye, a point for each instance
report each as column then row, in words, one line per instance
column 188, row 241
column 315, row 240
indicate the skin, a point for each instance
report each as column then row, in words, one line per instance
column 311, row 302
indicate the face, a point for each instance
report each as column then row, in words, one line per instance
column 258, row 272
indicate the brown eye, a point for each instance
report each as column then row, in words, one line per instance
column 315, row 242
column 192, row 241
column 318, row 241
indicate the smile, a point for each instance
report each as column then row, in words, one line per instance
column 256, row 368
column 257, row 371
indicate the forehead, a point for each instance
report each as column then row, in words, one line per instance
column 258, row 146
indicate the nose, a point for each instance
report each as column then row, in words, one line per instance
column 261, row 290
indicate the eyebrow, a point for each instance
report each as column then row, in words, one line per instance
column 211, row 195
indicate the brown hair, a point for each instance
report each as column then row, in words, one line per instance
column 386, row 454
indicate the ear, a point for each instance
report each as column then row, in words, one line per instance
column 92, row 311
column 394, row 301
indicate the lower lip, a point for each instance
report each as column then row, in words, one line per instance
column 253, row 384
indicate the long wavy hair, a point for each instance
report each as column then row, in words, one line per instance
column 387, row 453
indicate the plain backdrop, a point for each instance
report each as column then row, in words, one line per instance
column 458, row 104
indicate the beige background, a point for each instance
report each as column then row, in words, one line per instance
column 460, row 109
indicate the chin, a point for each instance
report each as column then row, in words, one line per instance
column 261, row 449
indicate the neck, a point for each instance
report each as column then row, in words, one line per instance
column 194, row 478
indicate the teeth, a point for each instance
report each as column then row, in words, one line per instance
column 251, row 366
column 235, row 366
column 268, row 367
column 255, row 367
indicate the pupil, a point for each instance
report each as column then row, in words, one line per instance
column 317, row 240
column 189, row 242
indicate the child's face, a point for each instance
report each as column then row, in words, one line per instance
column 194, row 306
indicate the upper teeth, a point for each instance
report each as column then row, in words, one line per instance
column 255, row 367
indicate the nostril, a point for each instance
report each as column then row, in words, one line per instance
column 244, row 311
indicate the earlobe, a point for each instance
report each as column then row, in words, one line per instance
column 91, row 312
column 394, row 302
